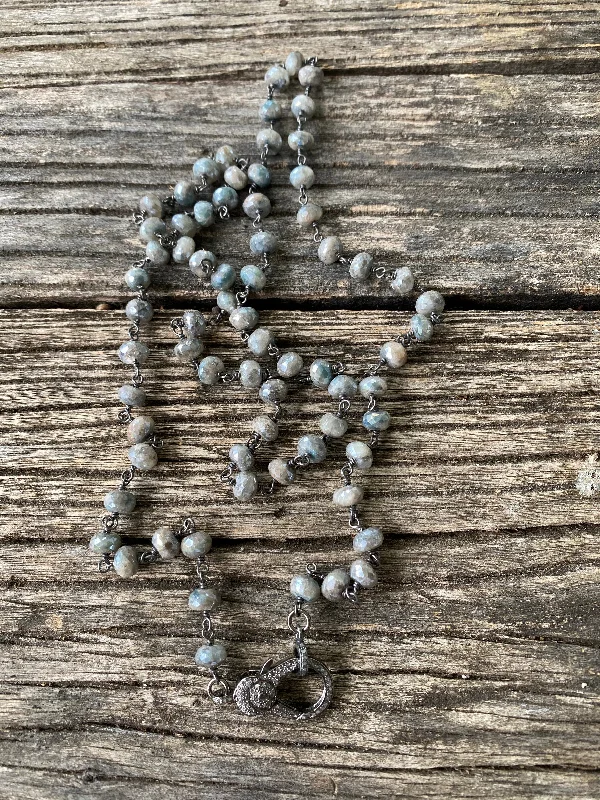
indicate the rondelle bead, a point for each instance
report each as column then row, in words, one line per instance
column 273, row 391
column 394, row 354
column 270, row 111
column 259, row 175
column 367, row 540
column 334, row 585
column 360, row 266
column 376, row 420
column 244, row 318
column 105, row 542
column 301, row 140
column 157, row 254
column 225, row 157
column 294, row 62
column 143, row 456
column 310, row 75
column 208, row 169
column 303, row 106
column 186, row 225
column 313, row 447
column 422, row 328
column 263, row 242
column 403, row 281
column 289, row 364
column 227, row 301
column 223, row 277
column 151, row 228
column 236, row 178
column 225, row 196
column 267, row 137
column 138, row 310
column 188, row 349
column 302, row 176
column 151, row 204
column 363, row 573
column 210, row 655
column 241, row 456
column 251, row 374
column 255, row 204
column 277, row 76
column 321, row 373
column 132, row 395
column 266, row 427
column 126, row 562
column 209, row 370
column 329, row 250
column 137, row 278
column 259, row 341
column 360, row 454
column 305, row 588
column 205, row 599
column 139, row 429
column 429, row 303
column 184, row 193
column 342, row 386
column 131, row 351
column 281, row 471
column 194, row 324
column 196, row 262
column 245, row 486
column 309, row 213
column 253, row 277
column 372, row 386
column 332, row 425
column 119, row 501
column 204, row 213
column 183, row 250
column 165, row 543
column 196, row 544
column 347, row 496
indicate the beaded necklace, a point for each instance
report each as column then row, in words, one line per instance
column 170, row 228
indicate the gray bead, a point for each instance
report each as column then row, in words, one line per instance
column 166, row 543
column 253, row 277
column 188, row 349
column 281, row 471
column 277, row 76
column 132, row 395
column 185, row 193
column 372, row 386
column 225, row 157
column 208, row 169
column 429, row 303
column 227, row 301
column 360, row 266
column 250, row 374
column 422, row 327
column 256, row 203
column 225, row 196
column 302, row 176
column 270, row 111
column 301, row 140
column 263, row 242
column 143, row 456
column 245, row 486
column 105, row 542
column 241, row 456
column 310, row 75
column 126, row 562
column 223, row 277
column 330, row 250
column 289, row 365
column 376, row 420
column 186, row 225
column 138, row 310
column 194, row 324
column 196, row 265
column 196, row 544
column 139, row 429
column 334, row 584
column 313, row 447
column 303, row 106
column 347, row 496
column 342, row 386
column 363, row 573
column 321, row 373
column 131, row 351
column 394, row 354
column 273, row 391
column 236, row 178
column 183, row 250
column 367, row 540
column 266, row 427
column 332, row 425
column 137, row 278
column 294, row 62
column 259, row 341
column 157, row 254
column 309, row 213
column 206, row 599
column 303, row 587
column 119, row 501
column 259, row 175
column 244, row 318
column 152, row 205
column 403, row 281
column 204, row 213
column 267, row 137
column 209, row 370
column 360, row 454
column 210, row 655
column 151, row 228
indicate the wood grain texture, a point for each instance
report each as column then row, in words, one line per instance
column 457, row 137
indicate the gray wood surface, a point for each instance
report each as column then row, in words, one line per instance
column 460, row 138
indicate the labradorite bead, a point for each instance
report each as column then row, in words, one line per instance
column 342, row 386
column 204, row 213
column 209, row 370
column 194, row 324
column 267, row 137
column 270, row 111
column 185, row 193
column 372, row 386
column 259, row 175
column 139, row 429
column 225, row 196
column 105, row 542
column 166, row 543
column 309, row 213
column 225, row 157
column 186, row 225
column 256, row 203
column 301, row 140
column 429, row 303
column 131, row 351
column 332, row 425
column 151, row 228
column 394, row 354
column 259, row 341
column 184, row 249
column 143, row 456
column 241, row 456
column 403, row 281
column 196, row 265
column 206, row 599
column 321, row 373
column 294, row 62
column 303, row 587
column 132, row 395
column 250, row 374
column 363, row 573
column 360, row 267
column 302, row 176
column 210, row 655
column 245, row 486
column 422, row 327
column 303, row 106
column 310, row 75
column 138, row 310
column 263, row 242
column 188, row 350
column 360, row 454
column 253, row 277
column 273, row 391
column 152, row 205
column 266, row 427
column 334, row 584
column 277, row 76
column 347, row 496
column 376, row 420
column 206, row 168
column 126, row 562
column 367, row 540
column 236, row 178
column 119, row 501
column 196, row 544
column 226, row 301
column 329, row 250
column 244, row 318
column 289, row 365
column 223, row 277
column 313, row 447
column 157, row 254
column 281, row 471
column 137, row 278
